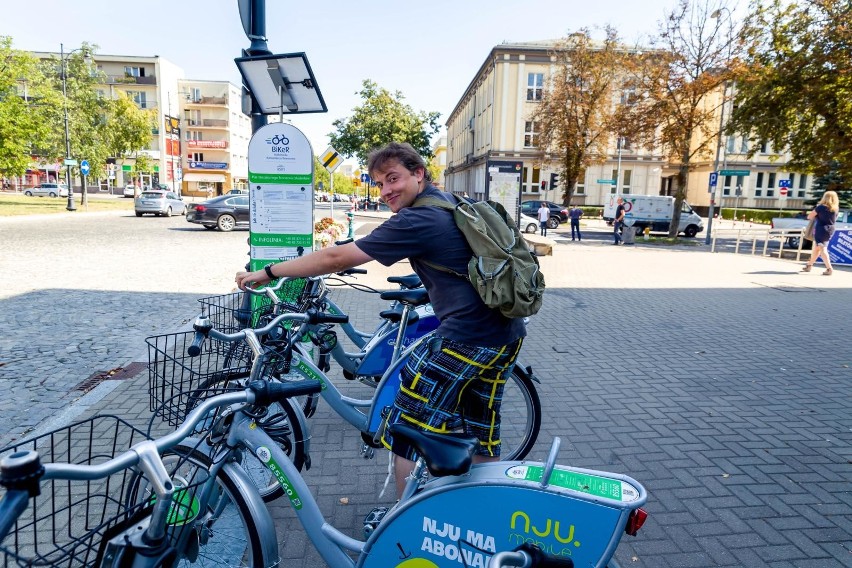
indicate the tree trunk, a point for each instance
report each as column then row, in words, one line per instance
column 680, row 195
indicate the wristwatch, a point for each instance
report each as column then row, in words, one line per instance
column 268, row 270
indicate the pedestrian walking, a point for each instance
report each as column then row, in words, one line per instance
column 824, row 216
column 543, row 218
column 618, row 222
column 576, row 213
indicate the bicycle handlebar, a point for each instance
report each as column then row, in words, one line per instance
column 351, row 271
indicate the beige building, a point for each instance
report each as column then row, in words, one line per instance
column 439, row 159
column 491, row 123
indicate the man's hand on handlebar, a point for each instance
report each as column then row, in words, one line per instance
column 251, row 279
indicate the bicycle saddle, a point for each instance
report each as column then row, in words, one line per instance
column 415, row 297
column 395, row 315
column 407, row 281
column 444, row 454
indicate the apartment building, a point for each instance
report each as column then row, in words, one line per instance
column 490, row 126
column 215, row 139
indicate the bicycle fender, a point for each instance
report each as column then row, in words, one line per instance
column 525, row 372
column 258, row 509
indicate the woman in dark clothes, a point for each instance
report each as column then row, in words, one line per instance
column 825, row 214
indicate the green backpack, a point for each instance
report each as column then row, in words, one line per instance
column 502, row 270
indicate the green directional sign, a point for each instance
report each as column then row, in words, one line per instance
column 735, row 172
column 609, row 181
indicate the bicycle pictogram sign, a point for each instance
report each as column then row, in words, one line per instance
column 278, row 139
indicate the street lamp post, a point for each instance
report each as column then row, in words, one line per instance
column 716, row 14
column 64, row 74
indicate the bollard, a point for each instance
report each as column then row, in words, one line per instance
column 349, row 216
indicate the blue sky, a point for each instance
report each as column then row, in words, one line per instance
column 429, row 51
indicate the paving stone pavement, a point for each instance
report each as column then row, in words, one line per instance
column 719, row 381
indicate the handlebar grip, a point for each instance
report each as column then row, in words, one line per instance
column 194, row 350
column 344, row 241
column 315, row 317
column 267, row 392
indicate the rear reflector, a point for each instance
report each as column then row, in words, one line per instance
column 635, row 521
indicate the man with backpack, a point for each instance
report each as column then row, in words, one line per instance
column 459, row 374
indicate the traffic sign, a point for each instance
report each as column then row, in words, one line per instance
column 785, row 183
column 609, row 181
column 714, row 178
column 783, row 191
column 330, row 159
column 84, row 167
column 69, row 162
column 735, row 172
column 365, row 178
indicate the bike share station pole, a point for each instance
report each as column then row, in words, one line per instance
column 280, row 158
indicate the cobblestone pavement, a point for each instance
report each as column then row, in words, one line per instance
column 719, row 381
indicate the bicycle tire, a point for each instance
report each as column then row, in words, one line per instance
column 520, row 398
column 227, row 533
column 282, row 423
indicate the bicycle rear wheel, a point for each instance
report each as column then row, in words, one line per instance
column 215, row 528
column 520, row 417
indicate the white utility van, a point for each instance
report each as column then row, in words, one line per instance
column 655, row 212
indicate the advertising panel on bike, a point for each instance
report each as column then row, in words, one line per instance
column 281, row 193
column 449, row 528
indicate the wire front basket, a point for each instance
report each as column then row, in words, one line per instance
column 177, row 381
column 70, row 522
column 236, row 311
column 65, row 525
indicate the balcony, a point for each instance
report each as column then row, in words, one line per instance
column 210, row 144
column 130, row 80
column 216, row 101
column 215, row 122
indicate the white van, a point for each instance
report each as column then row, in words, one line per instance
column 655, row 212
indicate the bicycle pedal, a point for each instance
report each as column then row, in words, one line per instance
column 373, row 519
column 367, row 452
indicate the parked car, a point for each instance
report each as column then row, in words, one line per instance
column 558, row 213
column 238, row 192
column 528, row 224
column 49, row 190
column 159, row 203
column 129, row 190
column 225, row 212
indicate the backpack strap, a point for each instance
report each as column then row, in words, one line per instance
column 436, row 202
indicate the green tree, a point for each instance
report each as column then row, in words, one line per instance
column 681, row 81
column 27, row 106
column 383, row 118
column 832, row 180
column 576, row 117
column 796, row 89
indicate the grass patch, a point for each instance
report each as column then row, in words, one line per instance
column 12, row 205
column 668, row 241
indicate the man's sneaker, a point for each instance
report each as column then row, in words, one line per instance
column 372, row 520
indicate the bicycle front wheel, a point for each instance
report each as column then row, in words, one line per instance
column 282, row 421
column 211, row 523
column 520, row 417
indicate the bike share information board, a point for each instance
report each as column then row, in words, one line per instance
column 281, row 194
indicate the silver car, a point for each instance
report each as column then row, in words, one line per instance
column 49, row 190
column 159, row 203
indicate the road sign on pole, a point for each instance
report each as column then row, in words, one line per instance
column 84, row 167
column 331, row 159
column 714, row 178
column 783, row 191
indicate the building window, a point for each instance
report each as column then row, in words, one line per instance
column 803, row 184
column 758, row 186
column 196, row 156
column 530, row 135
column 139, row 98
column 580, row 187
column 730, row 145
column 770, row 186
column 764, row 147
column 195, row 94
column 530, row 181
column 134, row 71
column 726, row 186
column 193, row 117
column 535, row 86
column 625, row 181
column 744, row 145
